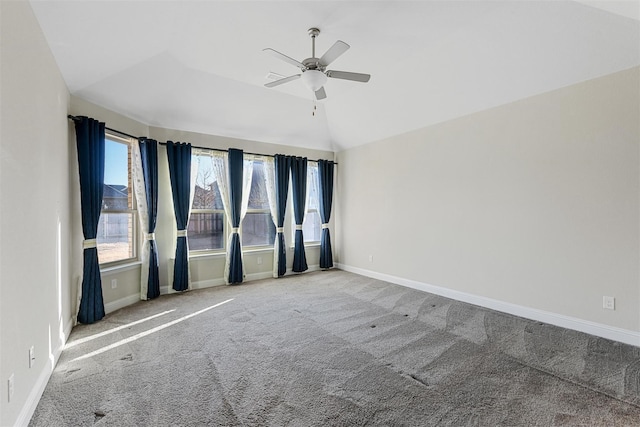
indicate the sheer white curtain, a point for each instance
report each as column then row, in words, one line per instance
column 221, row 176
column 192, row 193
column 270, row 180
column 143, row 215
column 247, row 176
column 219, row 162
column 312, row 186
column 307, row 200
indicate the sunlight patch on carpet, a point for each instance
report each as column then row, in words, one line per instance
column 149, row 332
column 110, row 331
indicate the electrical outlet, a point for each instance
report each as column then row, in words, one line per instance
column 370, row 258
column 32, row 357
column 10, row 388
column 114, row 283
column 259, row 260
column 609, row 303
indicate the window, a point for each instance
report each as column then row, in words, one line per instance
column 257, row 226
column 206, row 223
column 312, row 225
column 117, row 227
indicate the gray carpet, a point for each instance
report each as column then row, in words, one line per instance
column 336, row 349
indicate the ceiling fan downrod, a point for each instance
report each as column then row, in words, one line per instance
column 313, row 32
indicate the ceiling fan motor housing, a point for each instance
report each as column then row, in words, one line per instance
column 312, row 64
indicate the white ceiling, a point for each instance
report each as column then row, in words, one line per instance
column 199, row 66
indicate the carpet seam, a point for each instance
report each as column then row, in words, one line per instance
column 570, row 381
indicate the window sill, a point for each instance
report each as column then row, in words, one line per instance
column 112, row 269
column 253, row 250
column 308, row 245
column 258, row 249
column 205, row 255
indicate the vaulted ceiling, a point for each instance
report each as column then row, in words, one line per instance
column 199, row 65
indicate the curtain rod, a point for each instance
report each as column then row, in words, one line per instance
column 75, row 119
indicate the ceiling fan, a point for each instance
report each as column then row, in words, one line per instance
column 314, row 70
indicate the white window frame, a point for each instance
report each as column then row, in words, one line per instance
column 225, row 237
column 135, row 233
column 266, row 211
column 224, row 232
column 307, row 212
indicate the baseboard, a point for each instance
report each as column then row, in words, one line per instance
column 37, row 390
column 593, row 328
column 201, row 284
column 259, row 276
column 121, row 303
column 67, row 332
column 36, row 393
column 207, row 283
column 217, row 282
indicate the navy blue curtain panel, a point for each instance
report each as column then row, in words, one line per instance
column 299, row 187
column 236, row 163
column 325, row 175
column 179, row 157
column 149, row 154
column 90, row 145
column 282, row 168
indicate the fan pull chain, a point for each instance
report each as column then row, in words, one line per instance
column 315, row 107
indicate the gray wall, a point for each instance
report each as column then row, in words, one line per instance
column 534, row 203
column 35, row 220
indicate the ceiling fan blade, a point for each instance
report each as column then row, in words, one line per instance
column 333, row 53
column 274, row 76
column 356, row 77
column 282, row 81
column 321, row 94
column 284, row 57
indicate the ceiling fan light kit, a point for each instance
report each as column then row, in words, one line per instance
column 314, row 70
column 314, row 79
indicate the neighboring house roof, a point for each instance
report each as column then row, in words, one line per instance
column 115, row 197
column 114, row 191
